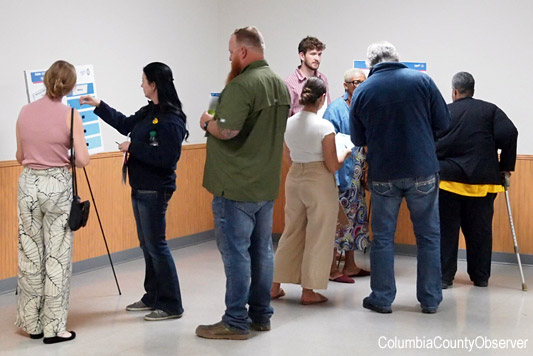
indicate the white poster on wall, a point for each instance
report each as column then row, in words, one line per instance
column 85, row 85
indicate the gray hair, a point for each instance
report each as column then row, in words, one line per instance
column 351, row 72
column 381, row 52
column 464, row 83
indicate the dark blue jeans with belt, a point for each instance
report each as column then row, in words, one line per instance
column 161, row 279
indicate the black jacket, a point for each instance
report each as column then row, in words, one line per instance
column 149, row 167
column 468, row 149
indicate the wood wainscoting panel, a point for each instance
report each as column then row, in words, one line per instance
column 279, row 204
column 9, row 175
column 112, row 200
column 189, row 210
column 521, row 198
column 520, row 195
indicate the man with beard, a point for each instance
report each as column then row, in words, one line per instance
column 310, row 50
column 243, row 172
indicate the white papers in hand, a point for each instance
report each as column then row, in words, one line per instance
column 343, row 142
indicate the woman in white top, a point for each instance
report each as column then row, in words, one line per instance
column 305, row 249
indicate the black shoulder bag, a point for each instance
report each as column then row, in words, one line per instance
column 79, row 211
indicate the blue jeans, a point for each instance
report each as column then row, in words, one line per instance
column 421, row 195
column 243, row 231
column 161, row 279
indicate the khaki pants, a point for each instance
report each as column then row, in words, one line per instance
column 44, row 250
column 305, row 249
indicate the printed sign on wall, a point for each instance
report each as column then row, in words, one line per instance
column 85, row 85
column 420, row 66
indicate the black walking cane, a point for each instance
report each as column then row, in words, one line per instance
column 506, row 185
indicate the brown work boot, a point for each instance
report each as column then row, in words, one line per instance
column 260, row 327
column 221, row 331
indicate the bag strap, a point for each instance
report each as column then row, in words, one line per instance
column 73, row 154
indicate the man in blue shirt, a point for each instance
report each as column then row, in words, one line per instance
column 396, row 113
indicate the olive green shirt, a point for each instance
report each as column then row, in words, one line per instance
column 248, row 167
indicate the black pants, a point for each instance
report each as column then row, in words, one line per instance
column 473, row 215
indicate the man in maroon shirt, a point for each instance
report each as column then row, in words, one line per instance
column 310, row 50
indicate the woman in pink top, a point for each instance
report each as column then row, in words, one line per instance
column 44, row 199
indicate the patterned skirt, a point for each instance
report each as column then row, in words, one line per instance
column 354, row 236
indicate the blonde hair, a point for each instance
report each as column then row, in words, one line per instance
column 59, row 79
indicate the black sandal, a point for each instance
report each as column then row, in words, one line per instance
column 36, row 336
column 56, row 339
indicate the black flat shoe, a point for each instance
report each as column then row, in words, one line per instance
column 481, row 283
column 56, row 339
column 36, row 336
column 446, row 284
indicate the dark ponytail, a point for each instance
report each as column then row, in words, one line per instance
column 161, row 75
column 313, row 90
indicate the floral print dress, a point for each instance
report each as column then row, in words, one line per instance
column 354, row 236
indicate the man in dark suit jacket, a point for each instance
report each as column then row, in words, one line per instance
column 471, row 175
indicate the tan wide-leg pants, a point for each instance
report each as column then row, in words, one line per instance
column 305, row 249
column 44, row 250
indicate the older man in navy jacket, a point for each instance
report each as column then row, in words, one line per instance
column 396, row 113
column 471, row 176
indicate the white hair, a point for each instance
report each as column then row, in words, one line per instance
column 381, row 52
column 352, row 72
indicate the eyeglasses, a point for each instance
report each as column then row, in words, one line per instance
column 355, row 82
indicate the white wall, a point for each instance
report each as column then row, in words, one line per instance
column 119, row 37
column 489, row 38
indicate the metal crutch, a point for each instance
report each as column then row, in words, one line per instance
column 506, row 185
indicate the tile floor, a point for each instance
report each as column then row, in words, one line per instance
column 501, row 313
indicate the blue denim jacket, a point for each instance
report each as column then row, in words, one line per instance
column 396, row 113
column 338, row 114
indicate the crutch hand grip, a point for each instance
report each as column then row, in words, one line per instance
column 506, row 179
